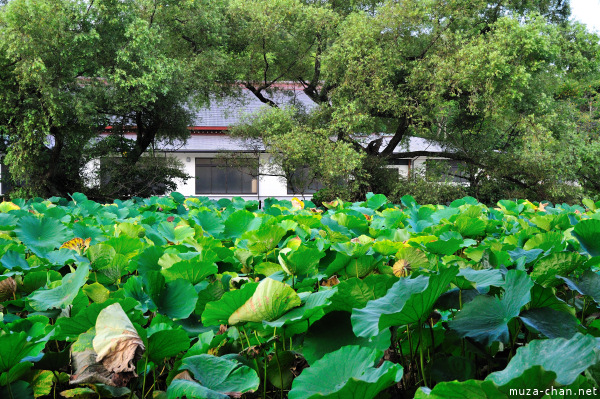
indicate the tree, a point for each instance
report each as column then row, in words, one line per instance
column 70, row 68
column 481, row 78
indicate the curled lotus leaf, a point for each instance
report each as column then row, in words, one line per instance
column 117, row 343
column 271, row 299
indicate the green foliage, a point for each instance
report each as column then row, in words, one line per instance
column 471, row 300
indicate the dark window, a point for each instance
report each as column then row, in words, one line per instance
column 5, row 184
column 221, row 176
column 446, row 170
column 302, row 181
column 396, row 161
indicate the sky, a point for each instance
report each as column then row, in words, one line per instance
column 588, row 12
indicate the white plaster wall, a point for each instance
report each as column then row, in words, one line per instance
column 268, row 186
column 187, row 187
column 402, row 169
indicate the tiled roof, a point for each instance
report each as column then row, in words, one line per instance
column 226, row 111
column 222, row 142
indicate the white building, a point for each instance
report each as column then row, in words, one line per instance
column 209, row 138
column 212, row 177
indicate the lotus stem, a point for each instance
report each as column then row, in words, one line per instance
column 265, row 375
column 279, row 367
column 145, row 374
column 421, row 354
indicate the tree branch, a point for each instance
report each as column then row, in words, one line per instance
column 397, row 138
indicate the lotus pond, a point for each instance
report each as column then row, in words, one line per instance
column 169, row 297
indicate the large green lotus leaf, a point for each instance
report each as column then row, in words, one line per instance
column 37, row 327
column 209, row 292
column 117, row 342
column 300, row 261
column 511, row 207
column 445, row 247
column 361, row 266
column 420, row 218
column 566, row 357
column 130, row 230
column 18, row 390
column 16, row 372
column 127, row 246
column 311, row 309
column 471, row 389
column 192, row 270
column 470, row 226
column 7, row 222
column 63, row 295
column 100, row 255
column 552, row 323
column 41, row 235
column 268, row 268
column 15, row 347
column 480, row 279
column 148, row 259
column 356, row 293
column 210, row 222
column 240, row 222
column 547, row 268
column 271, row 299
column 14, row 260
column 176, row 299
column 588, row 233
column 545, row 241
column 215, row 378
column 412, row 258
column 218, row 312
column 336, row 261
column 348, row 373
column 358, row 247
column 535, row 376
column 334, row 331
column 351, row 223
column 545, row 297
column 111, row 271
column 167, row 343
column 588, row 284
column 486, row 318
column 387, row 247
column 134, row 289
column 265, row 238
column 173, row 233
column 376, row 201
column 407, row 301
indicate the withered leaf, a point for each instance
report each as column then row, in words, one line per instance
column 7, row 288
column 117, row 343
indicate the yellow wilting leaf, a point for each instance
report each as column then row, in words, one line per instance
column 6, row 206
column 296, row 203
column 331, row 204
column 401, row 268
column 77, row 244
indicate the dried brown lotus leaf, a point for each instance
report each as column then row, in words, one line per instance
column 7, row 289
column 117, row 343
column 184, row 375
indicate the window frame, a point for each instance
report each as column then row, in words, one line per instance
column 209, row 163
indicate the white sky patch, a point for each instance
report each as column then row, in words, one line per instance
column 587, row 12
